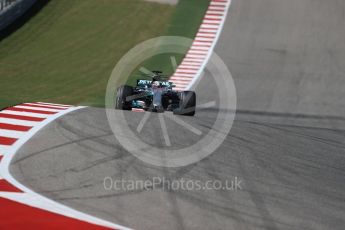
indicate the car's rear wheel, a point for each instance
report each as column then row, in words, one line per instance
column 187, row 103
column 122, row 101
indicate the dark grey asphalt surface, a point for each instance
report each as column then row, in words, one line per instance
column 287, row 144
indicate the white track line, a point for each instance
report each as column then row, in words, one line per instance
column 216, row 8
column 27, row 114
column 200, row 48
column 11, row 133
column 182, row 71
column 52, row 104
column 215, row 22
column 209, row 26
column 214, row 16
column 191, row 64
column 206, row 39
column 188, row 67
column 197, row 52
column 184, row 75
column 36, row 108
column 200, row 57
column 18, row 122
column 4, row 149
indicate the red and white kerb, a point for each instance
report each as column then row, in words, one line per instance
column 24, row 210
column 203, row 45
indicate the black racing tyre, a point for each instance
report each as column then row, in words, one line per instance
column 122, row 93
column 187, row 104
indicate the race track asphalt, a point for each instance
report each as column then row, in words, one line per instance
column 286, row 146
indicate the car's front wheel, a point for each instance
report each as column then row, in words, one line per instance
column 187, row 103
column 122, row 100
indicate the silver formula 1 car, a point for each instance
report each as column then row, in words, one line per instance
column 156, row 95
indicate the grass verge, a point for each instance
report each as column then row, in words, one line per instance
column 65, row 54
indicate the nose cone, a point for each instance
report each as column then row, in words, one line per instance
column 157, row 99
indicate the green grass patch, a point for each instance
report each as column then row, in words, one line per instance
column 185, row 22
column 65, row 54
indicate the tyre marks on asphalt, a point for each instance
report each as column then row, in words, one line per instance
column 17, row 121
